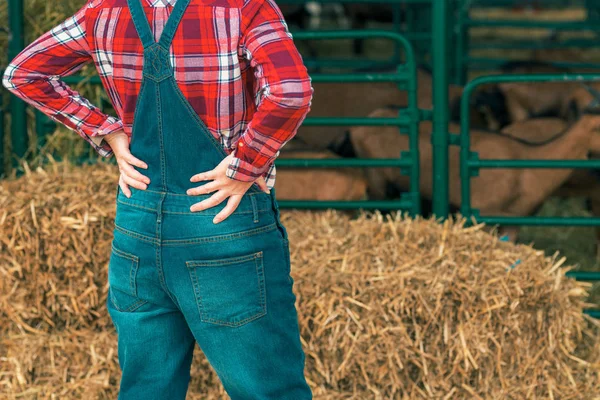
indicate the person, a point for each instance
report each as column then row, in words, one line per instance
column 207, row 92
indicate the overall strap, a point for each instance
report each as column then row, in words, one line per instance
column 141, row 22
column 143, row 26
column 174, row 19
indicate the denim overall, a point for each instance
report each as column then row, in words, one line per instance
column 176, row 278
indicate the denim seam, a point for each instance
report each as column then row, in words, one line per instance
column 208, row 215
column 254, row 209
column 211, row 239
column 132, row 268
column 191, row 212
column 187, row 195
column 139, row 99
column 124, row 254
column 163, row 163
column 137, row 235
column 223, row 261
column 219, row 238
column 134, row 306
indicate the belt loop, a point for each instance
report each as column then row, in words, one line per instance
column 254, row 208
column 277, row 213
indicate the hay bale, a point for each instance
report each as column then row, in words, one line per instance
column 390, row 307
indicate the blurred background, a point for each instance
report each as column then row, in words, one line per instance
column 396, row 72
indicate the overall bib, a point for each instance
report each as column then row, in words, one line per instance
column 176, row 278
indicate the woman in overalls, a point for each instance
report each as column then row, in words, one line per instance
column 207, row 92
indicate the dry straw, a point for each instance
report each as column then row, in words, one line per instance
column 390, row 308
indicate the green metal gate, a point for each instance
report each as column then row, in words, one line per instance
column 407, row 121
column 470, row 164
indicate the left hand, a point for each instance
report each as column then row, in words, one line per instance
column 224, row 186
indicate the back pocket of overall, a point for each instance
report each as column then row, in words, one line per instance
column 122, row 280
column 229, row 291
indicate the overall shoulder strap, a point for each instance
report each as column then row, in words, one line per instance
column 174, row 19
column 141, row 22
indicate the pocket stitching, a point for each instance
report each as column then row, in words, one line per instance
column 223, row 261
column 133, row 268
column 259, row 266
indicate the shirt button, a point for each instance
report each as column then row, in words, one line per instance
column 240, row 144
column 100, row 131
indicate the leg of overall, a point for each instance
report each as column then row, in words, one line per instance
column 235, row 291
column 155, row 345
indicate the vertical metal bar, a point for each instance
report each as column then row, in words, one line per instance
column 461, row 66
column 413, row 134
column 18, row 114
column 397, row 23
column 439, row 137
column 465, row 153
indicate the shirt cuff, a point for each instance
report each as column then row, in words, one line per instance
column 241, row 170
column 96, row 138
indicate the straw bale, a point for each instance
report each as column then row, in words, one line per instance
column 390, row 307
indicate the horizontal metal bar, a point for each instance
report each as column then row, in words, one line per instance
column 503, row 78
column 539, row 44
column 584, row 275
column 508, row 23
column 343, row 162
column 349, row 63
column 75, row 79
column 402, row 120
column 540, row 221
column 346, row 205
column 525, row 164
column 592, row 313
column 362, row 77
column 480, row 63
column 349, row 34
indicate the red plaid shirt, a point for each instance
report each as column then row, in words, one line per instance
column 234, row 60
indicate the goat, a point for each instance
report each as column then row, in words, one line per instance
column 319, row 183
column 508, row 102
column 582, row 182
column 359, row 99
column 508, row 192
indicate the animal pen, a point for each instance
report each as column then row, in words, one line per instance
column 433, row 31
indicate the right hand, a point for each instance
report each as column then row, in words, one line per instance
column 119, row 143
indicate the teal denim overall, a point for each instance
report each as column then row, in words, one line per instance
column 176, row 278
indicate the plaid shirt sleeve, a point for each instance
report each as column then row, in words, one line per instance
column 34, row 75
column 284, row 94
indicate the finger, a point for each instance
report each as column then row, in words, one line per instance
column 136, row 184
column 263, row 184
column 204, row 189
column 204, row 176
column 231, row 206
column 212, row 201
column 124, row 187
column 131, row 159
column 128, row 170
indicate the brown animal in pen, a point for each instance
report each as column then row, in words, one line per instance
column 582, row 182
column 358, row 100
column 499, row 192
column 319, row 183
column 504, row 103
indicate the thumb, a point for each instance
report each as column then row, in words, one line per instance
column 263, row 184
